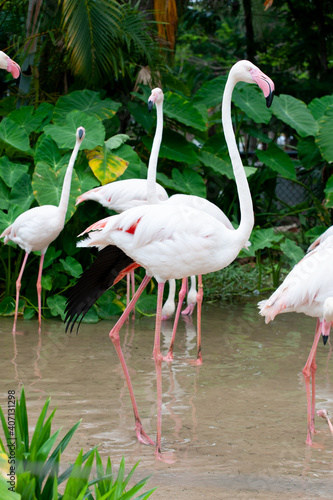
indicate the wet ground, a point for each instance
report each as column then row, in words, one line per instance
column 235, row 427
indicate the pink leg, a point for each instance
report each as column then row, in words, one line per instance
column 128, row 289
column 309, row 370
column 169, row 356
column 39, row 289
column 18, row 287
column 114, row 337
column 133, row 290
column 199, row 304
column 158, row 358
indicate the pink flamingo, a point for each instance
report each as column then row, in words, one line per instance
column 9, row 65
column 170, row 242
column 196, row 202
column 36, row 228
column 307, row 289
column 122, row 195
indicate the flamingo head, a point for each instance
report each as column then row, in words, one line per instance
column 156, row 96
column 245, row 71
column 80, row 134
column 9, row 65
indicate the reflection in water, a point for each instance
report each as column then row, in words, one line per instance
column 239, row 419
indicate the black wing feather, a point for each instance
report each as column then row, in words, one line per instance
column 93, row 282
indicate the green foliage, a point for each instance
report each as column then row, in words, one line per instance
column 37, row 464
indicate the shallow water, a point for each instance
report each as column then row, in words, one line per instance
column 235, row 427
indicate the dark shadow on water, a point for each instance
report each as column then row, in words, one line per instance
column 236, row 426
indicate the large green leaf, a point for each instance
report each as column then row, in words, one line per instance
column 136, row 168
column 220, row 165
column 263, row 238
column 116, row 141
column 88, row 102
column 251, row 101
column 47, row 184
column 278, row 160
column 13, row 134
column 211, row 92
column 174, row 147
column 141, row 114
column 32, row 120
column 182, row 110
column 308, row 152
column 4, row 196
column 72, row 266
column 47, row 151
column 22, row 192
column 318, row 107
column 292, row 251
column 6, row 219
column 107, row 167
column 189, row 182
column 57, row 305
column 295, row 113
column 324, row 136
column 65, row 135
column 11, row 172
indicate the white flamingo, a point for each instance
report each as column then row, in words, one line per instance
column 193, row 201
column 36, row 228
column 307, row 289
column 170, row 242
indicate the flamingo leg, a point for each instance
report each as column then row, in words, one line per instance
column 199, row 304
column 182, row 293
column 133, row 290
column 39, row 289
column 128, row 289
column 309, row 371
column 114, row 337
column 18, row 287
column 158, row 358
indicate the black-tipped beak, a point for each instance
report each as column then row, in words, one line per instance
column 150, row 105
column 80, row 133
column 269, row 99
column 325, row 339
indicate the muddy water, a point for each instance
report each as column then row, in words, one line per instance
column 235, row 427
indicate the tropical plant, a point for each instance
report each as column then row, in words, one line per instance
column 36, row 473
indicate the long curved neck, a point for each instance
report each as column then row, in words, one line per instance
column 66, row 186
column 244, row 194
column 152, row 165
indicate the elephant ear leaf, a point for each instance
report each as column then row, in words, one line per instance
column 106, row 166
column 64, row 135
column 47, row 183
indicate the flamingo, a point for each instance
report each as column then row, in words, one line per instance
column 9, row 65
column 122, row 195
column 170, row 242
column 193, row 201
column 36, row 228
column 307, row 289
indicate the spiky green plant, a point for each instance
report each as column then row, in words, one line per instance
column 37, row 464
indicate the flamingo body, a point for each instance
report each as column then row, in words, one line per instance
column 36, row 228
column 122, row 195
column 307, row 289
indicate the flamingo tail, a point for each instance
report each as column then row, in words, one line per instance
column 110, row 266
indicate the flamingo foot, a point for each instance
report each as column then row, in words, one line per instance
column 196, row 362
column 141, row 435
column 189, row 310
column 168, row 357
column 164, row 457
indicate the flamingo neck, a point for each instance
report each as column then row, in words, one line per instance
column 152, row 165
column 244, row 194
column 66, row 186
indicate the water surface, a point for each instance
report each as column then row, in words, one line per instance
column 235, row 427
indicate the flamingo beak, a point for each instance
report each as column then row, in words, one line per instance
column 265, row 83
column 81, row 133
column 151, row 103
column 13, row 68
